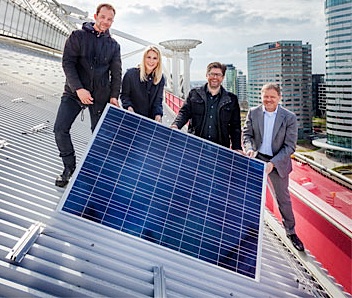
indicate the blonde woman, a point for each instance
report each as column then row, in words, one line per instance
column 143, row 86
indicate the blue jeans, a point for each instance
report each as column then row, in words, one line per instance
column 67, row 113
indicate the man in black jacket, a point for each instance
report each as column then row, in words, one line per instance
column 92, row 65
column 213, row 113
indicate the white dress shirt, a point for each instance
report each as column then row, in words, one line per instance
column 269, row 120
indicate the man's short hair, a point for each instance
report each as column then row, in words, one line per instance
column 217, row 65
column 273, row 86
column 108, row 6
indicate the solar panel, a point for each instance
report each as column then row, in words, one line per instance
column 173, row 189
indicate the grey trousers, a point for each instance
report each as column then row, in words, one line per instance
column 282, row 195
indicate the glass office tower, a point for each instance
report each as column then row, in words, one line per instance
column 338, row 57
column 229, row 81
column 318, row 85
column 241, row 86
column 289, row 64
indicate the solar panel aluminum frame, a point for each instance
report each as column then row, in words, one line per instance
column 260, row 216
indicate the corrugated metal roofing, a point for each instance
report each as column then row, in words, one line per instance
column 72, row 257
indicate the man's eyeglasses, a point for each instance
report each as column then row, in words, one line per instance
column 215, row 75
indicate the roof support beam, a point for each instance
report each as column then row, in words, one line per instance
column 23, row 245
column 159, row 282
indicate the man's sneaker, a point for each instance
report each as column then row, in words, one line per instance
column 64, row 178
column 297, row 243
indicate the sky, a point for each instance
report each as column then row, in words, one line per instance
column 226, row 28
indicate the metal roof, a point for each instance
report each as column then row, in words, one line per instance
column 71, row 257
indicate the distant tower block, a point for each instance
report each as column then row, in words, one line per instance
column 180, row 49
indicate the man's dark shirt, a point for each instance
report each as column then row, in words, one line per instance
column 211, row 122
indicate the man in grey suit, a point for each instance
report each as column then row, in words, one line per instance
column 270, row 134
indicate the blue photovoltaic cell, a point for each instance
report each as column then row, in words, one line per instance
column 173, row 189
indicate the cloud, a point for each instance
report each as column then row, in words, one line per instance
column 225, row 27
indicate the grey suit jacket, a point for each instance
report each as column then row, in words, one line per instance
column 284, row 136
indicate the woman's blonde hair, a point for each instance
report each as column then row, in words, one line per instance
column 157, row 72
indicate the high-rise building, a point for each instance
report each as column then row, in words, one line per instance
column 322, row 99
column 338, row 55
column 289, row 64
column 318, row 85
column 229, row 81
column 241, row 87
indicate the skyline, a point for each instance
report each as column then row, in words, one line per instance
column 225, row 27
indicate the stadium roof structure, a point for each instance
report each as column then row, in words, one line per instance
column 54, row 255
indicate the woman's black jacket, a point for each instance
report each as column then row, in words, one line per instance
column 135, row 94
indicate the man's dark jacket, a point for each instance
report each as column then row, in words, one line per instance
column 229, row 117
column 92, row 60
